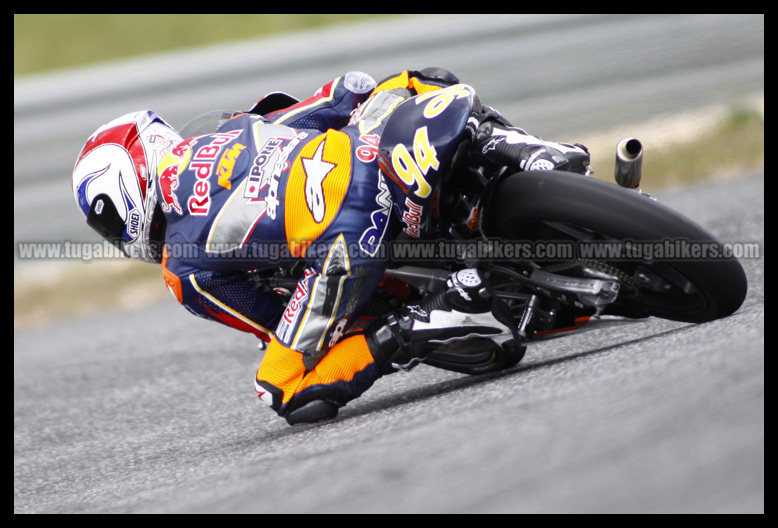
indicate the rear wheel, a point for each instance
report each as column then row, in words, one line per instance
column 690, row 276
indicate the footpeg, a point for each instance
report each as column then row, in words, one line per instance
column 580, row 292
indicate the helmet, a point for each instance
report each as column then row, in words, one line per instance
column 113, row 182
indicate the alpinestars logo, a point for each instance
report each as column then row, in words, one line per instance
column 316, row 169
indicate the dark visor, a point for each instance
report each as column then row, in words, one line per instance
column 104, row 218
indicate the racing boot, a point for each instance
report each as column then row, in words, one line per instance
column 466, row 312
column 313, row 412
column 497, row 146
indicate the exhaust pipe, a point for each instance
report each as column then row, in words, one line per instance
column 629, row 163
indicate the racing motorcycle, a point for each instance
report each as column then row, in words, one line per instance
column 617, row 251
column 693, row 280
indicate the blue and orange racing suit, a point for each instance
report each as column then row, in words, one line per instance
column 300, row 184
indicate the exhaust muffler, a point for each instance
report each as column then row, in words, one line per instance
column 629, row 163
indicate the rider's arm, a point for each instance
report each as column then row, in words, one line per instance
column 330, row 106
column 419, row 82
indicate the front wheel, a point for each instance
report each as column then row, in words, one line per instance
column 608, row 225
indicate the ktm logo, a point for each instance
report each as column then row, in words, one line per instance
column 227, row 164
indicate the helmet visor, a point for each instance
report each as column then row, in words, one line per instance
column 106, row 220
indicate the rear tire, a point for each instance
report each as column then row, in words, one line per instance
column 560, row 206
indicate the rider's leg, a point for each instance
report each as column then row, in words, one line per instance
column 497, row 145
column 466, row 309
column 302, row 395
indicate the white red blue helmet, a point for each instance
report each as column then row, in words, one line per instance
column 113, row 181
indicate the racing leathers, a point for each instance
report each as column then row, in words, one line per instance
column 308, row 186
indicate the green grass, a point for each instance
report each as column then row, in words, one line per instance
column 53, row 41
column 75, row 289
column 735, row 145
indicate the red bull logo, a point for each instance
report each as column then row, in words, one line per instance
column 168, row 183
column 181, row 149
column 199, row 202
column 173, row 166
column 412, row 217
column 168, row 175
column 294, row 308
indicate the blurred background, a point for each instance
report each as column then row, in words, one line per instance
column 87, row 39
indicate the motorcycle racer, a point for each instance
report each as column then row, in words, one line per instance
column 318, row 184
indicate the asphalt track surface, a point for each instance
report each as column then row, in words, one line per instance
column 153, row 411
